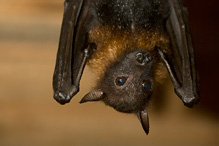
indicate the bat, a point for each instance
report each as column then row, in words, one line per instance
column 132, row 45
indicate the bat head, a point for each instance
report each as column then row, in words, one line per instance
column 127, row 84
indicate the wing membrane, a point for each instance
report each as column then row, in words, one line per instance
column 182, row 61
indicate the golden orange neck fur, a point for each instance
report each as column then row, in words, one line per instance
column 113, row 43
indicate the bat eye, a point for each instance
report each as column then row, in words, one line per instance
column 146, row 86
column 120, row 81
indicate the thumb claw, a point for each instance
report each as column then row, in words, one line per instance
column 94, row 95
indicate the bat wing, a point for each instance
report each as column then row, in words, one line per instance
column 181, row 65
column 73, row 50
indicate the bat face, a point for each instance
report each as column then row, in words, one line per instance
column 128, row 83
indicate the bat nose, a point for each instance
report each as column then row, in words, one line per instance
column 143, row 57
column 61, row 98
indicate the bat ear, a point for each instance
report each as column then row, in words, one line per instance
column 143, row 118
column 94, row 95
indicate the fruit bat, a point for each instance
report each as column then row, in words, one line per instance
column 131, row 45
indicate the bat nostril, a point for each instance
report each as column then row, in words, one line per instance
column 148, row 57
column 140, row 57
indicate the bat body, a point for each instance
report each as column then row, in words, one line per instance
column 131, row 46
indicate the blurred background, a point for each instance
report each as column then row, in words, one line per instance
column 29, row 35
